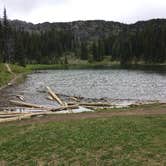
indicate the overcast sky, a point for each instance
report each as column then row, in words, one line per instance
column 126, row 11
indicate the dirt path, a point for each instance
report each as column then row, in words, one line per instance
column 14, row 77
column 5, row 90
column 94, row 115
column 9, row 69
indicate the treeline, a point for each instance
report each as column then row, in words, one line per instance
column 18, row 46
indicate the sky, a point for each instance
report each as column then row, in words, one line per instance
column 125, row 11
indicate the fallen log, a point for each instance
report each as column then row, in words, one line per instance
column 19, row 103
column 8, row 116
column 27, row 116
column 44, row 107
column 16, row 118
column 50, row 98
column 54, row 96
column 73, row 98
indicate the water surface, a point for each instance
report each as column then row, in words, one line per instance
column 120, row 85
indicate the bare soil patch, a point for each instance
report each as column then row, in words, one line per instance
column 94, row 115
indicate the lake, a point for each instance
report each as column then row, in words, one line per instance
column 116, row 85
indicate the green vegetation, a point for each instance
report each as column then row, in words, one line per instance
column 97, row 65
column 5, row 76
column 144, row 45
column 115, row 141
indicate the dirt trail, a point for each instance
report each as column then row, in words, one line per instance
column 14, row 79
column 94, row 115
column 9, row 69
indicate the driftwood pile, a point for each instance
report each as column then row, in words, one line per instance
column 45, row 110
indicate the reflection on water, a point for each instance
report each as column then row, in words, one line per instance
column 113, row 84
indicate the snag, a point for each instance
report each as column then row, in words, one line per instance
column 54, row 96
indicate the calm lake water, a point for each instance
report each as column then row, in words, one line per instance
column 121, row 85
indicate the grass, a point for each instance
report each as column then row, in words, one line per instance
column 115, row 141
column 107, row 141
column 71, row 66
column 97, row 65
column 5, row 76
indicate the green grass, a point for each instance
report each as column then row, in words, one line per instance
column 61, row 66
column 97, row 65
column 116, row 141
column 5, row 76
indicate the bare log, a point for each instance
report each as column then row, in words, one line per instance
column 49, row 98
column 30, row 115
column 12, row 114
column 54, row 96
column 74, row 98
column 44, row 107
column 8, row 116
column 15, row 118
column 18, row 103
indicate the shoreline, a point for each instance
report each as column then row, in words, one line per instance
column 37, row 67
column 13, row 81
column 100, row 66
column 32, row 68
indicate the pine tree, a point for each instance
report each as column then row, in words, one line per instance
column 94, row 51
column 1, row 37
column 7, row 39
column 84, row 51
column 101, row 50
column 19, row 49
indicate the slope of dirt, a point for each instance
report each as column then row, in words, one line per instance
column 94, row 115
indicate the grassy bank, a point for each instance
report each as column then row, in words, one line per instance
column 70, row 66
column 115, row 141
column 6, row 76
column 97, row 65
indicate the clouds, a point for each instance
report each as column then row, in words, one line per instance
column 126, row 11
column 28, row 5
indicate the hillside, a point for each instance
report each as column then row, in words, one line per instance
column 89, row 30
column 90, row 41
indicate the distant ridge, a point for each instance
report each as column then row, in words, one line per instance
column 90, row 29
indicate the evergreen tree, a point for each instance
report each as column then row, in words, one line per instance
column 101, row 51
column 95, row 51
column 19, row 49
column 1, row 41
column 7, row 39
column 84, row 51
